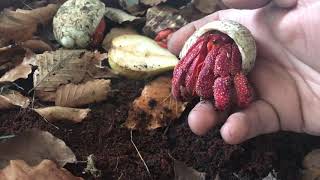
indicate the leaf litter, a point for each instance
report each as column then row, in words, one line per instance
column 33, row 146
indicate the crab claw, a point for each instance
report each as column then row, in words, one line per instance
column 244, row 91
column 162, row 37
column 98, row 35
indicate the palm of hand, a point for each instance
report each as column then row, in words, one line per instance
column 286, row 75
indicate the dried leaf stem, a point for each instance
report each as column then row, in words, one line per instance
column 144, row 163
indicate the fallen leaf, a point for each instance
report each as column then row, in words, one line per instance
column 312, row 159
column 12, row 99
column 20, row 25
column 217, row 177
column 36, row 45
column 271, row 176
column 183, row 172
column 311, row 174
column 21, row 71
column 152, row 2
column 62, row 67
column 206, row 6
column 311, row 163
column 118, row 15
column 57, row 113
column 18, row 169
column 191, row 13
column 72, row 95
column 155, row 106
column 132, row 6
column 115, row 32
column 10, row 57
column 33, row 146
column 91, row 168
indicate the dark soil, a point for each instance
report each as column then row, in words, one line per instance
column 102, row 135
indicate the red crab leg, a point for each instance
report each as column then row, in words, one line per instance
column 222, row 92
column 236, row 63
column 180, row 70
column 162, row 37
column 244, row 91
column 223, row 63
column 206, row 78
column 194, row 70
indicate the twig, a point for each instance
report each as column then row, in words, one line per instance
column 167, row 128
column 48, row 121
column 7, row 47
column 165, row 99
column 120, row 176
column 6, row 137
column 144, row 163
column 116, row 164
column 32, row 102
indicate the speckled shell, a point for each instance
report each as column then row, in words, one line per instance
column 240, row 34
column 162, row 17
column 76, row 21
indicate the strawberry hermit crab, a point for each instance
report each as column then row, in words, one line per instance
column 214, row 64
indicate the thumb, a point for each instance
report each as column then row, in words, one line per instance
column 259, row 118
column 178, row 39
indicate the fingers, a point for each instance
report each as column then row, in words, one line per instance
column 203, row 117
column 254, row 4
column 258, row 118
column 246, row 4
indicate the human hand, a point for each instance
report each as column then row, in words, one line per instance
column 286, row 76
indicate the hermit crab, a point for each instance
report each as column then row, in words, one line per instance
column 214, row 63
column 79, row 23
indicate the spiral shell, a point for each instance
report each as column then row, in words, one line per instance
column 76, row 21
column 239, row 33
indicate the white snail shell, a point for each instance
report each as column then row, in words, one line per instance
column 239, row 33
column 76, row 21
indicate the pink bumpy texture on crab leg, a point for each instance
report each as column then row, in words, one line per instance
column 212, row 69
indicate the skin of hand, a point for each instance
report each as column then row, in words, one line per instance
column 286, row 76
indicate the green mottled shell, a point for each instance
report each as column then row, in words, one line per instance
column 76, row 21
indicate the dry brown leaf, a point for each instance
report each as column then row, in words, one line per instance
column 12, row 99
column 312, row 159
column 155, row 106
column 152, row 2
column 62, row 67
column 20, row 25
column 36, row 45
column 183, row 172
column 21, row 71
column 311, row 163
column 34, row 146
column 10, row 57
column 206, row 6
column 18, row 169
column 72, row 95
column 132, row 6
column 311, row 174
column 119, row 16
column 57, row 113
column 115, row 32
